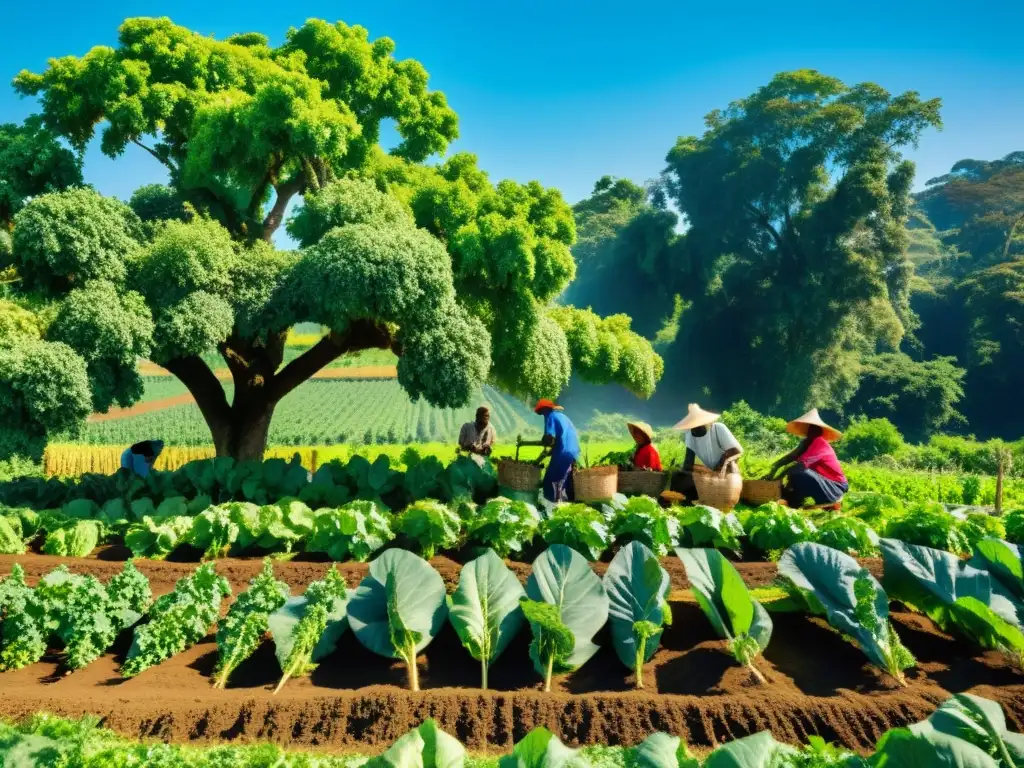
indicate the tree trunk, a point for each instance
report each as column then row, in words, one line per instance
column 1000, row 469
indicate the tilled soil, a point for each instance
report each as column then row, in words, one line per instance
column 817, row 682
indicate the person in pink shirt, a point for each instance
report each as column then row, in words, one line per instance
column 816, row 478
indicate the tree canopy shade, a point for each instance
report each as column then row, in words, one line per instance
column 456, row 274
column 32, row 162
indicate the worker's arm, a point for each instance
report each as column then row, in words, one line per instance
column 688, row 460
column 790, row 457
column 728, row 457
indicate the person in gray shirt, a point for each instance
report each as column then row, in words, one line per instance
column 477, row 437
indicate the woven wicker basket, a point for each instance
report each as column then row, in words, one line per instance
column 642, row 483
column 596, row 483
column 518, row 475
column 715, row 490
column 758, row 492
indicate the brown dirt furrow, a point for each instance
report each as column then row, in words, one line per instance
column 145, row 407
column 817, row 683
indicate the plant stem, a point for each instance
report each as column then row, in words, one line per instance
column 284, row 679
column 547, row 677
column 756, row 672
column 483, row 666
column 414, row 673
column 640, row 653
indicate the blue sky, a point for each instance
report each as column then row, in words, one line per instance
column 564, row 92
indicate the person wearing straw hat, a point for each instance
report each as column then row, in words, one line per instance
column 139, row 458
column 709, row 440
column 561, row 442
column 646, row 455
column 816, row 475
column 477, row 437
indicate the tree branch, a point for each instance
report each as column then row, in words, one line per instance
column 196, row 375
column 285, row 192
column 764, row 222
column 361, row 334
column 159, row 159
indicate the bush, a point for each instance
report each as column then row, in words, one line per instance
column 1014, row 523
column 928, row 524
column 867, row 439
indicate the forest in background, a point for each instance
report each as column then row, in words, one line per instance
column 781, row 259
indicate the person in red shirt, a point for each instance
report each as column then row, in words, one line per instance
column 816, row 475
column 646, row 455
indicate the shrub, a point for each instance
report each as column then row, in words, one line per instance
column 1014, row 523
column 867, row 439
column 928, row 524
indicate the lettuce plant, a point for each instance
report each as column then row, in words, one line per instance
column 850, row 535
column 484, row 609
column 156, row 539
column 353, row 532
column 504, row 525
column 74, row 538
column 637, row 588
column 432, row 525
column 643, row 519
column 928, row 524
column 11, row 542
column 213, row 531
column 23, row 634
column 579, row 527
column 774, row 527
column 702, row 526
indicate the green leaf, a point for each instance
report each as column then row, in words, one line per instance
column 1005, row 561
column 660, row 750
column 577, row 526
column 504, row 525
column 643, row 519
column 562, row 577
column 424, row 747
column 758, row 751
column 484, row 609
column 901, row 748
column 637, row 588
column 432, row 525
column 542, row 749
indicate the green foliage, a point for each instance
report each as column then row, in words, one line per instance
column 178, row 620
column 832, row 584
column 566, row 605
column 356, row 530
column 156, row 539
column 23, row 634
column 432, row 525
column 32, row 162
column 958, row 597
column 866, row 439
column 1015, row 526
column 929, row 525
column 213, row 531
column 398, row 608
column 72, row 539
column 637, row 588
column 577, row 526
column 981, row 525
column 307, row 629
column 643, row 519
column 723, row 597
column 425, row 745
column 773, row 527
column 702, row 526
column 542, row 749
column 240, row 633
column 484, row 609
column 159, row 202
column 504, row 525
column 11, row 542
column 849, row 535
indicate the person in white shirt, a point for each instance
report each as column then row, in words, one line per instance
column 477, row 438
column 709, row 440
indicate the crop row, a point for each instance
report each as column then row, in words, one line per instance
column 325, row 412
column 965, row 730
column 401, row 605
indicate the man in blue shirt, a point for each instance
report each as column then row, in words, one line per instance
column 563, row 445
column 139, row 458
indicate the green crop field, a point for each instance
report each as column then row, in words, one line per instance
column 322, row 412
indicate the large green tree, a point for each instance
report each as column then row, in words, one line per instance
column 454, row 273
column 32, row 162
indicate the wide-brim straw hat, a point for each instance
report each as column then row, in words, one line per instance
column 811, row 418
column 697, row 417
column 641, row 426
column 545, row 403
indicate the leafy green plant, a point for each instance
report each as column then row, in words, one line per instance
column 829, row 583
column 643, row 519
column 850, row 535
column 723, row 597
column 958, row 597
column 760, row 750
column 637, row 588
column 928, row 524
column 432, row 525
column 11, row 542
column 981, row 525
column 484, row 609
column 542, row 749
column 577, row 526
column 504, row 525
column 398, row 608
column 1005, row 563
column 423, row 477
column 355, row 531
column 1014, row 523
column 566, row 604
column 157, row 539
column 661, row 750
column 178, row 620
column 372, row 481
column 425, row 745
column 875, row 509
column 23, row 634
column 465, row 480
column 213, row 531
column 241, row 631
column 701, row 526
column 74, row 538
column 867, row 439
column 307, row 628
column 773, row 527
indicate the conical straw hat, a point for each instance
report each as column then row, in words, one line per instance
column 696, row 417
column 799, row 426
column 641, row 426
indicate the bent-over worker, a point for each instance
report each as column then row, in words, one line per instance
column 646, row 455
column 561, row 442
column 140, row 457
column 477, row 437
column 709, row 440
column 816, row 476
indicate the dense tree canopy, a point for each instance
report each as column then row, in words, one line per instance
column 454, row 273
column 32, row 162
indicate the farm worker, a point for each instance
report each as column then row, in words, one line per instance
column 477, row 437
column 816, row 475
column 139, row 458
column 646, row 455
column 563, row 445
column 709, row 440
